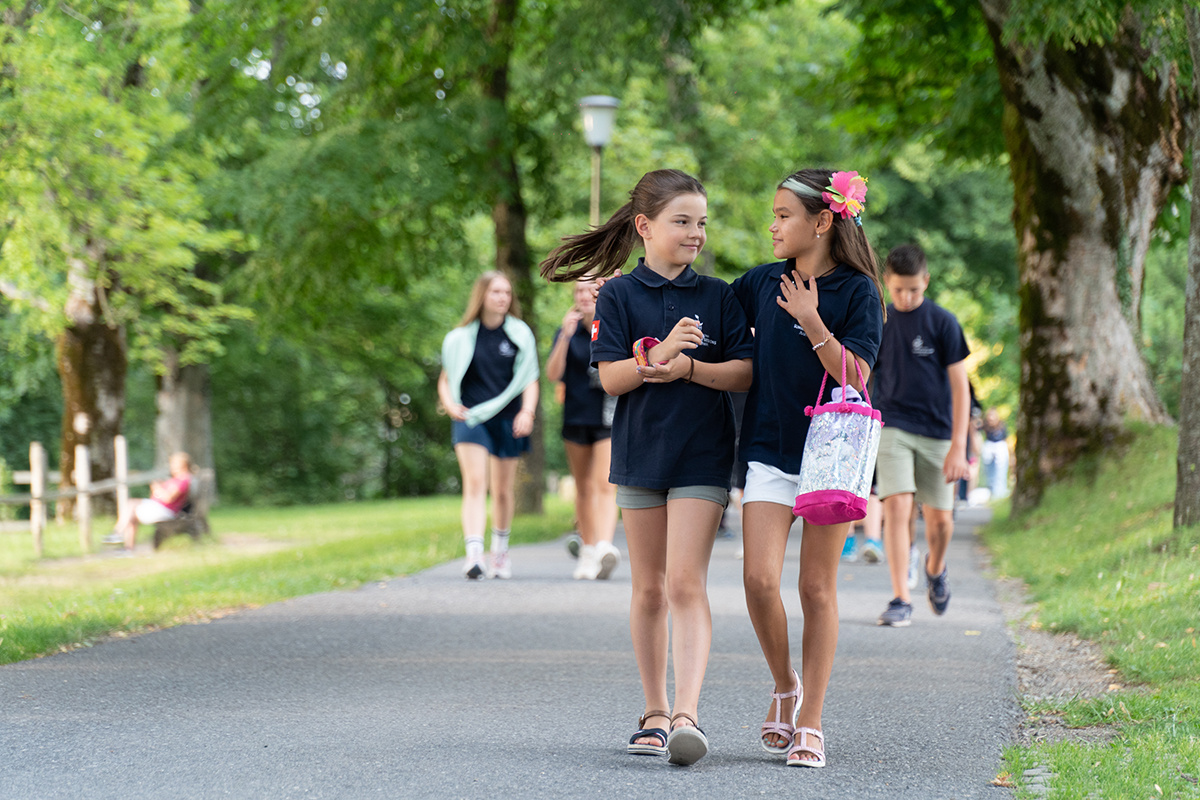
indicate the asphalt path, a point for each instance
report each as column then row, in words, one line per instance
column 434, row 686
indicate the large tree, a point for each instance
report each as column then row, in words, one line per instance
column 102, row 220
column 438, row 114
column 1091, row 126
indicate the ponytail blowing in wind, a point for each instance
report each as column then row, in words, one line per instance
column 603, row 250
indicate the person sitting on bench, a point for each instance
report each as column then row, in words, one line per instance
column 166, row 501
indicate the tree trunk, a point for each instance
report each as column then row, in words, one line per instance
column 1187, row 481
column 1094, row 147
column 510, row 220
column 92, row 362
column 184, row 422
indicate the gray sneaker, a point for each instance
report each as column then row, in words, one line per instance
column 897, row 615
column 574, row 543
column 938, row 589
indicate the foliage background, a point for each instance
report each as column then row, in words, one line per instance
column 340, row 143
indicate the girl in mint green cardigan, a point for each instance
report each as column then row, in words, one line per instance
column 489, row 387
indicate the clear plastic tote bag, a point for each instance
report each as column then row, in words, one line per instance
column 839, row 456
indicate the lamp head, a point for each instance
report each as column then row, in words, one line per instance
column 599, row 113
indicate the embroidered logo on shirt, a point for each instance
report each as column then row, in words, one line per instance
column 704, row 337
column 919, row 348
column 595, row 329
column 507, row 350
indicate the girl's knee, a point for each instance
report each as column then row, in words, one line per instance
column 816, row 595
column 686, row 590
column 650, row 599
column 760, row 586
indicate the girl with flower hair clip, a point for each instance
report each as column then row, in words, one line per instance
column 822, row 298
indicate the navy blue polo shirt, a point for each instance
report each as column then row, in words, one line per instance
column 491, row 371
column 912, row 387
column 787, row 372
column 667, row 435
column 584, row 402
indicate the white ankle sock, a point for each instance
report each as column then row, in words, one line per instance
column 475, row 548
column 499, row 541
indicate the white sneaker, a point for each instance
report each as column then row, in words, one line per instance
column 914, row 575
column 589, row 564
column 610, row 558
column 474, row 570
column 501, row 566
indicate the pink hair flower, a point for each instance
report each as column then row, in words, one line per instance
column 845, row 194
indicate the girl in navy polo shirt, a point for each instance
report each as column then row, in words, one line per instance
column 670, row 344
column 489, row 388
column 586, row 431
column 822, row 298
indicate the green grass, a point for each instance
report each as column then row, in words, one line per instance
column 262, row 555
column 1101, row 560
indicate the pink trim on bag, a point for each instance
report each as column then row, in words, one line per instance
column 845, row 408
column 830, row 507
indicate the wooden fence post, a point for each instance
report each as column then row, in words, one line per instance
column 121, row 468
column 83, row 501
column 37, row 489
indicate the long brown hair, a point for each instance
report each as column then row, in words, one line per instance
column 849, row 245
column 479, row 289
column 605, row 249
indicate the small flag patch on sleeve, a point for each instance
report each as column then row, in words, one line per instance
column 595, row 329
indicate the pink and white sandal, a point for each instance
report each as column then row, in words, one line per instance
column 785, row 729
column 801, row 745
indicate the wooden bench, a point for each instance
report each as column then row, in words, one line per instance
column 193, row 518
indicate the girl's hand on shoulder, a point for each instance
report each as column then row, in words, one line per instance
column 570, row 323
column 675, row 369
column 686, row 335
column 600, row 282
column 799, row 300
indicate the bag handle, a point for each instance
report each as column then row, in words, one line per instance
column 861, row 380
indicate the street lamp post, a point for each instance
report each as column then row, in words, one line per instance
column 599, row 112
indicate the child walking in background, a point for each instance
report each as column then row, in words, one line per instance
column 489, row 387
column 922, row 389
column 671, row 345
column 587, row 430
column 995, row 454
column 821, row 302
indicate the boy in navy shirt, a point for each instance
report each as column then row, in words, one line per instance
column 922, row 390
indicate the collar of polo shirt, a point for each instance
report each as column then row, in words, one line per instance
column 652, row 279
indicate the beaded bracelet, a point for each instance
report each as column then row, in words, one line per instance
column 820, row 344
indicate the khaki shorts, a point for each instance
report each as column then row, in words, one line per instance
column 912, row 464
column 639, row 497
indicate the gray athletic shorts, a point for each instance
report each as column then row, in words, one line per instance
column 641, row 497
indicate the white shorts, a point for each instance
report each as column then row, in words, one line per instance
column 149, row 512
column 767, row 484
